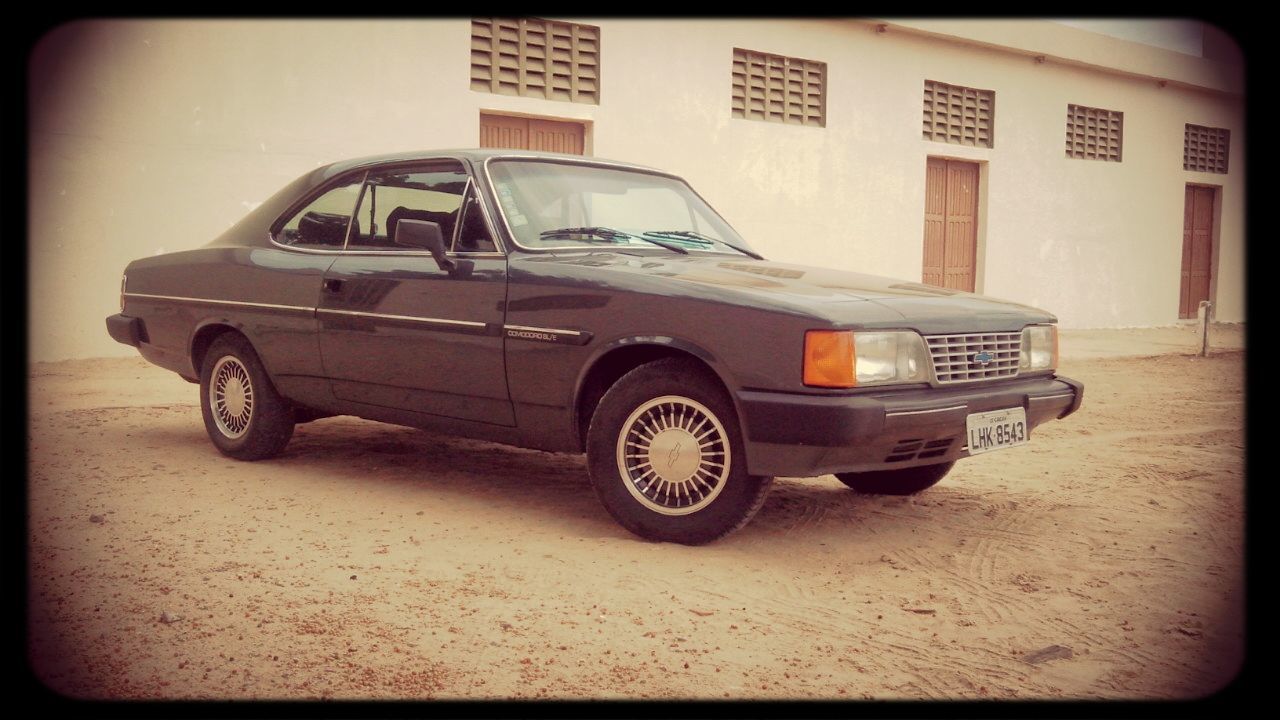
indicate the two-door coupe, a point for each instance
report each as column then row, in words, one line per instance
column 572, row 304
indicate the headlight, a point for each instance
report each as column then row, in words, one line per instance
column 1039, row 348
column 843, row 358
column 889, row 357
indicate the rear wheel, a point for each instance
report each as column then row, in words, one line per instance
column 244, row 415
column 904, row 481
column 666, row 457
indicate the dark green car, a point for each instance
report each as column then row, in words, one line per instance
column 577, row 305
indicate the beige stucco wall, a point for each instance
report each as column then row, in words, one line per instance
column 151, row 136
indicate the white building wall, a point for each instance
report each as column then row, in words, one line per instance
column 151, row 136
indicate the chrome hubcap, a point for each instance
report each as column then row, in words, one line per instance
column 231, row 397
column 673, row 455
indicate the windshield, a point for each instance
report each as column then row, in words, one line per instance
column 550, row 204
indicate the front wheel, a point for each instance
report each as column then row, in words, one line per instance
column 903, row 481
column 244, row 415
column 666, row 457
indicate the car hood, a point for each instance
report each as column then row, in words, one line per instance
column 834, row 295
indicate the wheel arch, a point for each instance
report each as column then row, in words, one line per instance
column 205, row 333
column 620, row 356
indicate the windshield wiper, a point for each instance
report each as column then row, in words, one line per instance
column 599, row 232
column 693, row 236
column 608, row 235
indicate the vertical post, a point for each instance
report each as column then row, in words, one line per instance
column 1205, row 308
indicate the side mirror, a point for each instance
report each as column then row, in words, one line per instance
column 424, row 235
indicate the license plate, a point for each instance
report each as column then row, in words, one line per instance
column 996, row 430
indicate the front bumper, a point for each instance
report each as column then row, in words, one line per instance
column 808, row 435
column 127, row 330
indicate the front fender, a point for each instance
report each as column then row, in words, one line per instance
column 664, row 341
column 622, row 343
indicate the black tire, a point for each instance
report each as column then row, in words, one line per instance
column 718, row 497
column 262, row 421
column 904, row 481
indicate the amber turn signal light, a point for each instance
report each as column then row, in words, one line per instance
column 828, row 358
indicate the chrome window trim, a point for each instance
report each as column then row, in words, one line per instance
column 467, row 167
column 462, row 212
column 240, row 303
column 364, row 185
column 588, row 162
column 388, row 253
column 411, row 318
column 488, row 213
column 310, row 251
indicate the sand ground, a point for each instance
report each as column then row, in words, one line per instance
column 371, row 561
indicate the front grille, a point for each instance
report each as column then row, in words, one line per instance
column 953, row 356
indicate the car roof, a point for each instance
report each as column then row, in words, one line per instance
column 477, row 155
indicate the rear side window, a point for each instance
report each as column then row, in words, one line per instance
column 323, row 223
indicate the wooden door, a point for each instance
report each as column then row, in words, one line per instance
column 1197, row 249
column 522, row 133
column 951, row 224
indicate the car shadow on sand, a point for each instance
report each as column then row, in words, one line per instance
column 556, row 485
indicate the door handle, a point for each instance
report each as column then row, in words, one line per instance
column 333, row 286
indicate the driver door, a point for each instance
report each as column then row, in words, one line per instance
column 398, row 331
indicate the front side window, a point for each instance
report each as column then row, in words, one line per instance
column 323, row 223
column 549, row 204
column 438, row 193
column 424, row 193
